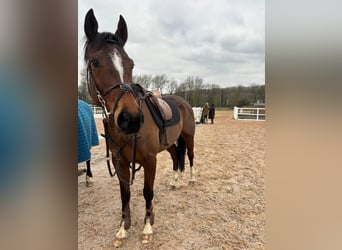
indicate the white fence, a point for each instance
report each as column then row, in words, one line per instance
column 197, row 113
column 249, row 114
column 97, row 111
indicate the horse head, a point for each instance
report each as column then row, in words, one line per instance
column 110, row 74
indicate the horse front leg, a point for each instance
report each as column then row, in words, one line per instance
column 125, row 224
column 149, row 175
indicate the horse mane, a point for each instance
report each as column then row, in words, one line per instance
column 101, row 39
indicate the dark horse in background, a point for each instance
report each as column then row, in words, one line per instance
column 132, row 131
column 87, row 137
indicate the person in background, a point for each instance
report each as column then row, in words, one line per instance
column 205, row 112
column 212, row 113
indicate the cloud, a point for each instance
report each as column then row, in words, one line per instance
column 222, row 41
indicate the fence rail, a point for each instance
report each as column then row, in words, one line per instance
column 249, row 114
column 97, row 111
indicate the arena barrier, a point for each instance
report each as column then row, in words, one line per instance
column 197, row 113
column 249, row 114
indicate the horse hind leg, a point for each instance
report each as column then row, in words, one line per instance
column 189, row 140
column 89, row 175
column 192, row 176
column 192, row 168
column 173, row 152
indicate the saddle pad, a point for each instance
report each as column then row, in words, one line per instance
column 161, row 123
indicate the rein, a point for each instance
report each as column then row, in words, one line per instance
column 125, row 88
column 107, row 137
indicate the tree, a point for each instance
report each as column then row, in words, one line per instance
column 171, row 87
column 215, row 94
column 198, row 100
column 83, row 92
column 193, row 90
column 144, row 80
column 159, row 81
column 181, row 90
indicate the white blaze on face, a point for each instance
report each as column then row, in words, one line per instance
column 117, row 63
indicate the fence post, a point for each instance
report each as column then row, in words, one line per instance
column 236, row 112
column 257, row 114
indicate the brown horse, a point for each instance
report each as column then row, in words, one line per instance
column 133, row 133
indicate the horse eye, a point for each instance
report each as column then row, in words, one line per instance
column 94, row 63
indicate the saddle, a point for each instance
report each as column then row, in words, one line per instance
column 164, row 112
column 162, row 106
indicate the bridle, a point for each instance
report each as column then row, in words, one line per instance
column 126, row 88
column 101, row 95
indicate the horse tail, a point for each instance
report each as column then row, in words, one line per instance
column 181, row 147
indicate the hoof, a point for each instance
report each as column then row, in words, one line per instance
column 147, row 238
column 172, row 186
column 89, row 184
column 89, row 181
column 118, row 243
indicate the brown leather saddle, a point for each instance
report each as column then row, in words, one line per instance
column 162, row 106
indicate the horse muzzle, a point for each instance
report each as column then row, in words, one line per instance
column 130, row 123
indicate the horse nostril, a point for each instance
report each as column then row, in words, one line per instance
column 129, row 123
column 123, row 120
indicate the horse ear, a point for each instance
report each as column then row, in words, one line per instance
column 121, row 30
column 90, row 25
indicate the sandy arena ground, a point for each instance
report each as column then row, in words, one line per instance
column 225, row 209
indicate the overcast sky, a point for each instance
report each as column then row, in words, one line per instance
column 221, row 41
